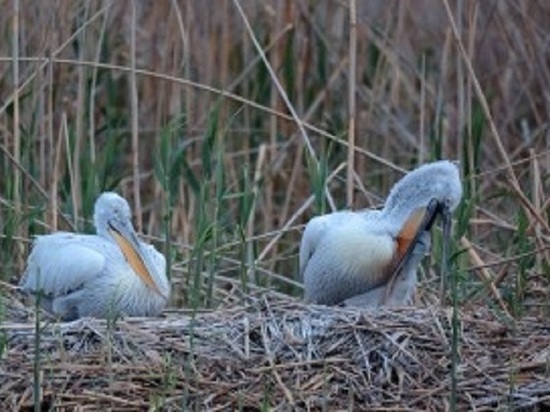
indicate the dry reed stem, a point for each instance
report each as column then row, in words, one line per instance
column 486, row 277
column 350, row 171
column 293, row 219
column 76, row 193
column 135, row 122
column 31, row 77
column 17, row 182
column 222, row 93
column 278, row 85
column 481, row 96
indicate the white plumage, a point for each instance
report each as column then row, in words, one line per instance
column 348, row 257
column 102, row 275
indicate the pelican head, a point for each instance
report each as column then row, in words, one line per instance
column 111, row 210
column 438, row 180
column 112, row 220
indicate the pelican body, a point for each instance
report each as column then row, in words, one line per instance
column 108, row 274
column 370, row 258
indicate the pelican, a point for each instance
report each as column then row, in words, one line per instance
column 369, row 258
column 108, row 274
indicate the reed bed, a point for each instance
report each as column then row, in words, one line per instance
column 273, row 352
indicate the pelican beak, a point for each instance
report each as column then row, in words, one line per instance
column 126, row 238
column 420, row 220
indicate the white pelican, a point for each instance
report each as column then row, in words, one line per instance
column 108, row 274
column 370, row 257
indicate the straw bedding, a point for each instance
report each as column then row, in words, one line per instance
column 277, row 353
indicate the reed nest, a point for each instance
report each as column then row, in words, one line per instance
column 273, row 352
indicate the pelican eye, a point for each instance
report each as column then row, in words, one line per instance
column 112, row 227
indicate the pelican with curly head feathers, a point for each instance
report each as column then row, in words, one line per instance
column 108, row 274
column 369, row 258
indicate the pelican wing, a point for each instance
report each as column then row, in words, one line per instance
column 343, row 253
column 317, row 228
column 314, row 231
column 63, row 262
column 400, row 290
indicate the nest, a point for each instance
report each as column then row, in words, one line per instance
column 277, row 353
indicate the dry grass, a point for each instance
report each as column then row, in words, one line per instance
column 227, row 128
column 284, row 355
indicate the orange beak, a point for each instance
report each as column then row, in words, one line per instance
column 421, row 219
column 130, row 250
